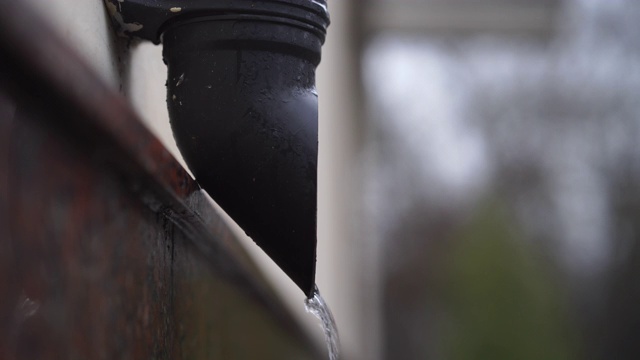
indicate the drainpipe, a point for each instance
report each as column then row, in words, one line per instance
column 244, row 110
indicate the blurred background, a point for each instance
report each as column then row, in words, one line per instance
column 479, row 171
column 487, row 197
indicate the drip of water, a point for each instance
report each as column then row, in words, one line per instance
column 319, row 309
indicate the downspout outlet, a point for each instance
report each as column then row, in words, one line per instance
column 244, row 110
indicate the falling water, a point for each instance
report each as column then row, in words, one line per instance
column 319, row 309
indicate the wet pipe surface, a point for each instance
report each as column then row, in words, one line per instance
column 108, row 249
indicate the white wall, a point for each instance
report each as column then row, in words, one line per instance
column 340, row 258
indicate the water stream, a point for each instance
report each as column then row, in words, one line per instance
column 318, row 307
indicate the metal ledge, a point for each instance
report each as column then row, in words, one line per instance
column 42, row 74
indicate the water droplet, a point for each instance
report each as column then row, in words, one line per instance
column 26, row 307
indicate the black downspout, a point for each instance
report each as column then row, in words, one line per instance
column 244, row 110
